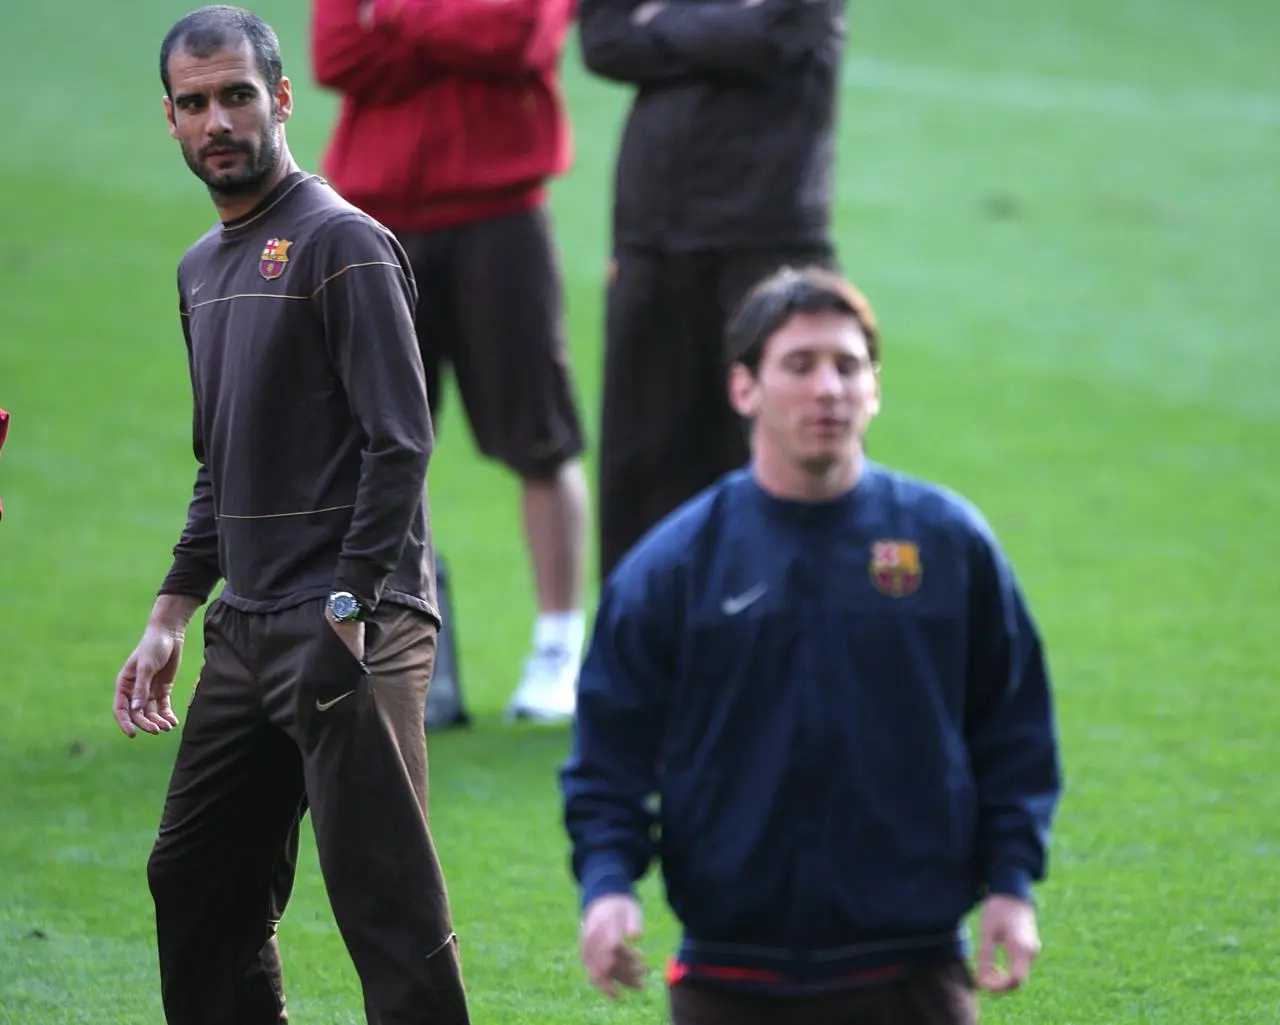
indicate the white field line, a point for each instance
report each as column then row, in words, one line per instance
column 1020, row 91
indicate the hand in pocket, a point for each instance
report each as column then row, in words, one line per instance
column 351, row 634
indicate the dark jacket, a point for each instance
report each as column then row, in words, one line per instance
column 844, row 711
column 729, row 143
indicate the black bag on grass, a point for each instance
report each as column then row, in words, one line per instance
column 445, row 707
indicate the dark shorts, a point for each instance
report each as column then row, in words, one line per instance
column 941, row 995
column 489, row 305
column 667, row 430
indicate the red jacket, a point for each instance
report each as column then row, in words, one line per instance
column 451, row 109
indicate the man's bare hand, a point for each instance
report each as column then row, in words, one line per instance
column 609, row 922
column 145, row 683
column 647, row 11
column 1009, row 923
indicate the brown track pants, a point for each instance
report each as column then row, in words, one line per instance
column 285, row 718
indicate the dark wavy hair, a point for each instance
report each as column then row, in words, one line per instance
column 782, row 295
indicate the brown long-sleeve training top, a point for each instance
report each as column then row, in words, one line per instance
column 311, row 427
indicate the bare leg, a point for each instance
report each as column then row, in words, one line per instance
column 555, row 526
column 555, row 520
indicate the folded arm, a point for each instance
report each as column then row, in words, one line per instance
column 365, row 65
column 664, row 40
column 492, row 36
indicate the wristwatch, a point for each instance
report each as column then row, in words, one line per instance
column 345, row 607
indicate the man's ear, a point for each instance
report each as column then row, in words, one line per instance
column 169, row 118
column 744, row 391
column 284, row 100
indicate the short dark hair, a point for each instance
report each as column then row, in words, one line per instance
column 779, row 297
column 204, row 32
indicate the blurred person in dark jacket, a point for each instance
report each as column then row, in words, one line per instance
column 724, row 175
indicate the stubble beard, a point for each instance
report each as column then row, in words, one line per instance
column 259, row 163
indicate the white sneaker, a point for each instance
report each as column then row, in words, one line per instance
column 548, row 691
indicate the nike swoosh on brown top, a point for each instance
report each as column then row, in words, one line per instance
column 324, row 706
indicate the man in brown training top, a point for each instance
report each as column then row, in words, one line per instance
column 312, row 434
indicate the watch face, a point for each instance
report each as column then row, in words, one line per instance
column 344, row 606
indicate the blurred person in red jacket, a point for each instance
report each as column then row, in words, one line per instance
column 451, row 125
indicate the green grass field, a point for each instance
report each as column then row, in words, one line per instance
column 1067, row 219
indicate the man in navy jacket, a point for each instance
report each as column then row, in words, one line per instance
column 828, row 678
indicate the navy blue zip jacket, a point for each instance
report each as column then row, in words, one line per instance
column 844, row 712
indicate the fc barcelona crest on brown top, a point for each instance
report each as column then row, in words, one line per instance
column 895, row 567
column 275, row 257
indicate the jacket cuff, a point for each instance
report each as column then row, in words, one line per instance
column 1011, row 881
column 192, row 577
column 361, row 578
column 604, row 876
